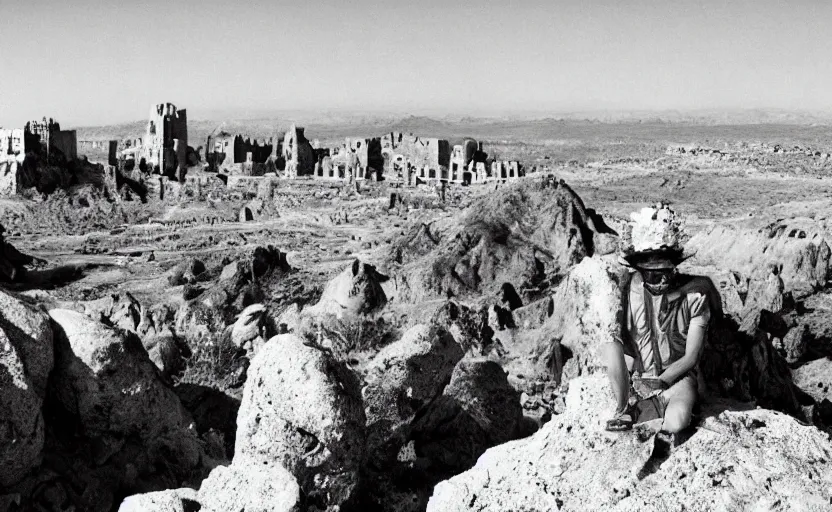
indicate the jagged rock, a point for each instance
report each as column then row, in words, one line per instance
column 187, row 272
column 477, row 410
column 735, row 460
column 120, row 310
column 793, row 344
column 252, row 486
column 26, row 358
column 250, row 327
column 173, row 500
column 355, row 291
column 766, row 292
column 815, row 379
column 586, row 313
column 302, row 409
column 104, row 377
column 29, row 331
column 166, row 354
column 797, row 247
column 289, row 320
column 520, row 234
column 402, row 379
column 268, row 259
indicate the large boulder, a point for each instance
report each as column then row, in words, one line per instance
column 173, row 500
column 815, row 379
column 477, row 410
column 355, row 291
column 734, row 460
column 104, row 378
column 120, row 310
column 522, row 234
column 585, row 313
column 302, row 409
column 253, row 486
column 401, row 381
column 26, row 359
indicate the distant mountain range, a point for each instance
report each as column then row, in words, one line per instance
column 334, row 125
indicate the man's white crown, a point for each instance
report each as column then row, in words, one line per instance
column 655, row 228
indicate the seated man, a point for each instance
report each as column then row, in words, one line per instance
column 666, row 321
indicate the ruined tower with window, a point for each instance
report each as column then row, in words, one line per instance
column 165, row 146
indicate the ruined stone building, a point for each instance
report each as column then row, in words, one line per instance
column 52, row 139
column 236, row 154
column 358, row 157
column 298, row 153
column 12, row 153
column 164, row 147
column 409, row 156
column 44, row 139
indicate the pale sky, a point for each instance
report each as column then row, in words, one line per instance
column 85, row 62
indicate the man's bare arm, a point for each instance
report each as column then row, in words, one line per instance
column 693, row 350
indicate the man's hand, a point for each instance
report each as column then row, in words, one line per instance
column 646, row 387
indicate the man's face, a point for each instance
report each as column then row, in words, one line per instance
column 657, row 281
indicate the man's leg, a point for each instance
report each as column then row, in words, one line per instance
column 680, row 399
column 613, row 356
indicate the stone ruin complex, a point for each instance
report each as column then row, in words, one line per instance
column 397, row 157
column 164, row 148
column 290, row 154
column 42, row 138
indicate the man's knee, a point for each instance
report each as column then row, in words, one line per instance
column 676, row 420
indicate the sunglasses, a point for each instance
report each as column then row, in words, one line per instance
column 656, row 276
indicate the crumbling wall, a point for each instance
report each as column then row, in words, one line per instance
column 166, row 125
column 299, row 153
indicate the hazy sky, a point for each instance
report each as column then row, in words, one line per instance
column 86, row 62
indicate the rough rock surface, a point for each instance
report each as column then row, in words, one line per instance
column 117, row 309
column 735, row 460
column 303, row 410
column 586, row 313
column 357, row 290
column 26, row 358
column 402, row 379
column 815, row 379
column 522, row 234
column 477, row 410
column 251, row 487
column 249, row 328
column 798, row 248
column 104, row 377
column 173, row 500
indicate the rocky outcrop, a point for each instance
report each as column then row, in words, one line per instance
column 302, row 409
column 815, row 379
column 175, row 500
column 251, row 327
column 26, row 359
column 105, row 379
column 798, row 248
column 355, row 291
column 402, row 380
column 522, row 234
column 734, row 460
column 120, row 310
column 477, row 410
column 585, row 313
column 188, row 272
column 254, row 486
